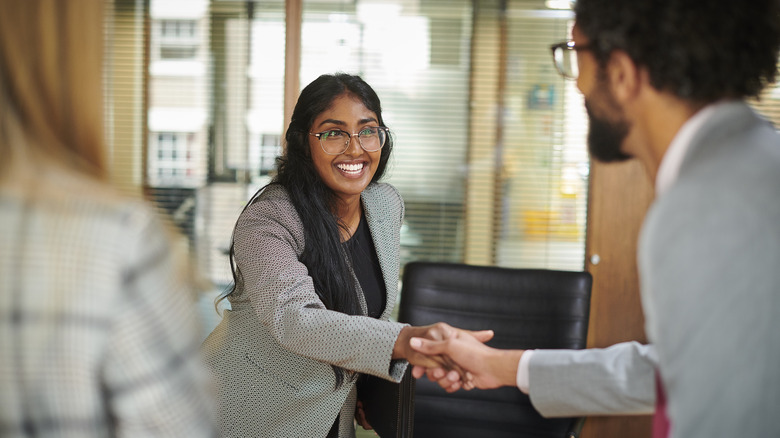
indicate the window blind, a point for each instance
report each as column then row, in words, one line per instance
column 545, row 160
column 416, row 57
column 490, row 152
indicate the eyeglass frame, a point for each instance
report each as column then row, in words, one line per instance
column 567, row 45
column 356, row 134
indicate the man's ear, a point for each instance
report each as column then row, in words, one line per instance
column 624, row 76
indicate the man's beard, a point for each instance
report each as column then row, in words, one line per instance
column 605, row 137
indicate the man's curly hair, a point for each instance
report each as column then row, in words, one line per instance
column 698, row 50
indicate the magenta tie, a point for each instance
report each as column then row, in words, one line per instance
column 660, row 420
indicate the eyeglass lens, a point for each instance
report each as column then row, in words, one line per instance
column 336, row 141
column 566, row 62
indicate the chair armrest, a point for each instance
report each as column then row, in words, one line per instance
column 576, row 428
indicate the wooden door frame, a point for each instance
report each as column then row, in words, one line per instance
column 618, row 199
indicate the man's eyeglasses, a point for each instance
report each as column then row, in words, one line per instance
column 336, row 141
column 565, row 58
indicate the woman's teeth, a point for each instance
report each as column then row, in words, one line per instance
column 350, row 168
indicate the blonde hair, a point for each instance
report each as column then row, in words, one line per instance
column 51, row 93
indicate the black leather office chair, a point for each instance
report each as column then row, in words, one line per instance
column 526, row 308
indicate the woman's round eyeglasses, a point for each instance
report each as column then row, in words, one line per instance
column 336, row 141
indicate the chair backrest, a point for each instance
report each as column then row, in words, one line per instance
column 526, row 308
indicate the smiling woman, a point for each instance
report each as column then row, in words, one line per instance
column 315, row 257
column 345, row 165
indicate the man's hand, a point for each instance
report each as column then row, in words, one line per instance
column 488, row 367
column 436, row 332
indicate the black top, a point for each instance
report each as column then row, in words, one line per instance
column 366, row 265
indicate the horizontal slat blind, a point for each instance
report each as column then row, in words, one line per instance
column 416, row 56
column 545, row 160
column 768, row 104
column 490, row 143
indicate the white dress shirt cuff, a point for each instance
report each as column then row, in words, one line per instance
column 522, row 371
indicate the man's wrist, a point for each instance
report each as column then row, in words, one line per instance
column 507, row 363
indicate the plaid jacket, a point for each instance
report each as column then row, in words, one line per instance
column 99, row 334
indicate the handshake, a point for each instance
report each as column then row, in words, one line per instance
column 457, row 358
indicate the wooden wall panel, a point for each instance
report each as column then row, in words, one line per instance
column 619, row 196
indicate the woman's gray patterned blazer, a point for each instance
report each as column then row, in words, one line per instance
column 271, row 354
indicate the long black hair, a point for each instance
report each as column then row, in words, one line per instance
column 324, row 255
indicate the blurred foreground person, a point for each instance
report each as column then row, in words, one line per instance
column 99, row 332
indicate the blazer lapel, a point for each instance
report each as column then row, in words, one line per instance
column 382, row 234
